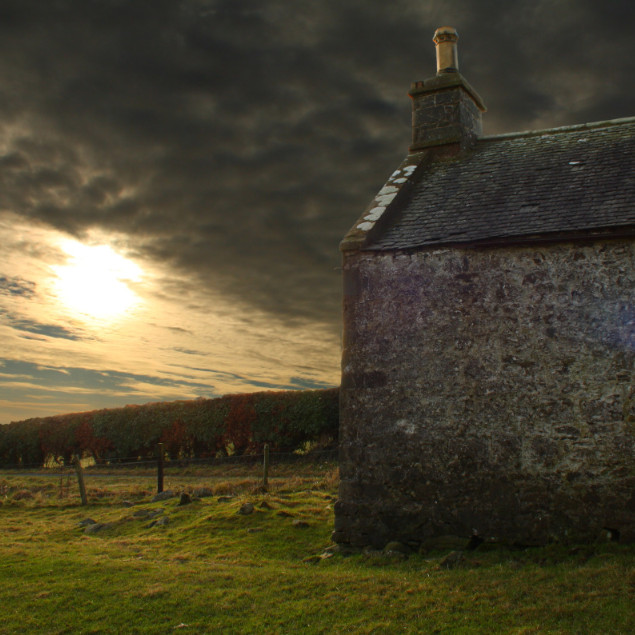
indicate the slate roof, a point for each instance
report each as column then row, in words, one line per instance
column 563, row 181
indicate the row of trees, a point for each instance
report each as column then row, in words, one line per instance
column 233, row 424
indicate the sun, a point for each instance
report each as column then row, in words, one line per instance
column 94, row 282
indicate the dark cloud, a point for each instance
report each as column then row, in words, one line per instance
column 238, row 140
column 307, row 384
column 89, row 380
column 82, row 386
column 16, row 286
column 294, row 383
column 49, row 330
column 37, row 328
column 187, row 351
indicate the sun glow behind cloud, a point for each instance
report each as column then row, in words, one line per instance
column 86, row 325
column 94, row 283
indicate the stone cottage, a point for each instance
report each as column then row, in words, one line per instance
column 487, row 372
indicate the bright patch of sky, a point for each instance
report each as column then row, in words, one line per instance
column 85, row 325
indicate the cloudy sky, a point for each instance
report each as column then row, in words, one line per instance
column 175, row 176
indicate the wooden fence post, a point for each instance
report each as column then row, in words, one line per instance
column 80, row 480
column 265, row 467
column 159, row 468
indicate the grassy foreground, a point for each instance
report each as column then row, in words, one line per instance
column 210, row 569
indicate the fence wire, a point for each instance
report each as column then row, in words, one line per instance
column 132, row 466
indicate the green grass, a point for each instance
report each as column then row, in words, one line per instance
column 212, row 570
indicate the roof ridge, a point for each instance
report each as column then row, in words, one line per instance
column 560, row 129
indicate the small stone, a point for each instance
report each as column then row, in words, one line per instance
column 300, row 524
column 161, row 522
column 396, row 547
column 86, row 522
column 452, row 560
column 203, row 492
column 162, row 496
column 380, row 558
column 246, row 509
column 185, row 499
column 94, row 528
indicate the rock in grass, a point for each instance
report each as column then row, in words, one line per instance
column 225, row 499
column 162, row 496
column 452, row 560
column 379, row 558
column 396, row 547
column 203, row 492
column 147, row 513
column 96, row 527
column 86, row 522
column 161, row 522
column 185, row 499
column 246, row 509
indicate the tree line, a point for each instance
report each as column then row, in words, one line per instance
column 200, row 428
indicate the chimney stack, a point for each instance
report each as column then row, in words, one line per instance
column 445, row 108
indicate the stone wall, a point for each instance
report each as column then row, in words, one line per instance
column 488, row 392
column 445, row 109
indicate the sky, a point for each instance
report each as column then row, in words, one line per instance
column 176, row 175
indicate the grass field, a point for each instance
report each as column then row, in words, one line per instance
column 210, row 569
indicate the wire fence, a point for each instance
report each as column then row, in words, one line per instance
column 219, row 475
column 194, row 467
column 113, row 464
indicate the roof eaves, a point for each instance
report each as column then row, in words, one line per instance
column 598, row 233
column 561, row 129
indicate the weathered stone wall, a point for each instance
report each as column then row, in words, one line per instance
column 488, row 391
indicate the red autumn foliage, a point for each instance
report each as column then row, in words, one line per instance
column 233, row 424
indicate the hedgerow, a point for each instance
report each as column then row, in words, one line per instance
column 233, row 424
